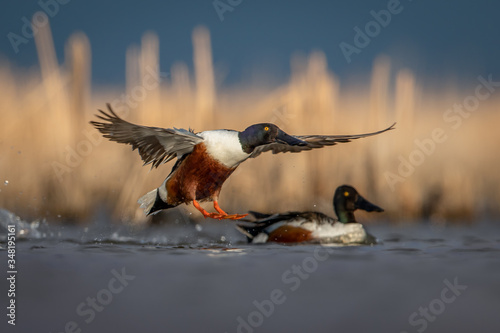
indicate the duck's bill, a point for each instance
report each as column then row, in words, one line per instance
column 289, row 140
column 364, row 204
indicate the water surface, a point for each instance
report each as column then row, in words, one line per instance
column 205, row 278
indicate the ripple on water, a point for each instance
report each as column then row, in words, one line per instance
column 475, row 249
column 404, row 250
column 473, row 240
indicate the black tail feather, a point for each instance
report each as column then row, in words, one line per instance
column 250, row 231
column 158, row 205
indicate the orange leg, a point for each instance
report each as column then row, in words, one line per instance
column 221, row 215
column 207, row 214
column 217, row 208
column 204, row 212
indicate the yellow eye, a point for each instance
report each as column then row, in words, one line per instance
column 346, row 194
column 266, row 128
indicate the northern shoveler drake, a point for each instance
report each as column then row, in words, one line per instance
column 205, row 159
column 296, row 227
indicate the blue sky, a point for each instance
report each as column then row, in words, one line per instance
column 438, row 40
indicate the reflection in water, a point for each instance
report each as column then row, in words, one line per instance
column 224, row 252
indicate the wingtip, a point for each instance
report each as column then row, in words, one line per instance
column 103, row 115
column 390, row 128
column 110, row 109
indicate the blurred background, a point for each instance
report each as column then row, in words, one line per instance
column 312, row 67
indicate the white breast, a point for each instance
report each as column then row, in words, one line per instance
column 337, row 232
column 224, row 146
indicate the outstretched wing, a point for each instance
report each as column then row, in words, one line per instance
column 313, row 142
column 155, row 145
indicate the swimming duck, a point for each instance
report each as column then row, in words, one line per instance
column 296, row 227
column 204, row 159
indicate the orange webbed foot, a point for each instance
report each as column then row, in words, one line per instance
column 225, row 215
column 221, row 215
column 235, row 216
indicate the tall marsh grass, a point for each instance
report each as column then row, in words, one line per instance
column 54, row 164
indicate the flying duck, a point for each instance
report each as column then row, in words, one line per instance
column 204, row 159
column 296, row 227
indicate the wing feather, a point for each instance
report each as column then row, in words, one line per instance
column 155, row 145
column 313, row 142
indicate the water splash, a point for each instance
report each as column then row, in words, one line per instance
column 25, row 230
column 102, row 231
